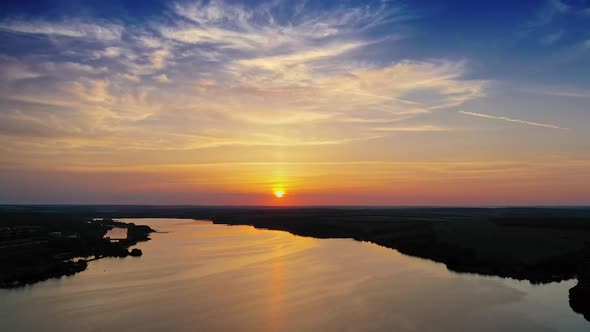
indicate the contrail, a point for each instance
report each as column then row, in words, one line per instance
column 512, row 120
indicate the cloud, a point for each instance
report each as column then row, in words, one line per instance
column 552, row 38
column 214, row 74
column 285, row 61
column 111, row 52
column 512, row 120
column 159, row 58
column 162, row 78
column 12, row 69
column 377, row 96
column 559, row 6
column 247, row 29
column 549, row 11
column 559, row 91
column 553, row 21
column 93, row 91
column 421, row 128
column 131, row 78
column 105, row 32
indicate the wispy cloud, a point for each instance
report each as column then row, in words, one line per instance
column 377, row 96
column 549, row 11
column 559, row 6
column 552, row 38
column 559, row 91
column 421, row 128
column 552, row 23
column 214, row 74
column 104, row 31
column 512, row 120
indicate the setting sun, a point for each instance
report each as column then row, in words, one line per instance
column 426, row 147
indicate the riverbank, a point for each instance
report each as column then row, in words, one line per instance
column 36, row 247
column 540, row 245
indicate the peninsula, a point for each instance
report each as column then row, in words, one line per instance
column 36, row 247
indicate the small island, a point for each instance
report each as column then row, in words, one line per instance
column 39, row 247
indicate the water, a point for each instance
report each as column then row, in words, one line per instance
column 117, row 233
column 204, row 277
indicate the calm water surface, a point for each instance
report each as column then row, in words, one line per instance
column 203, row 277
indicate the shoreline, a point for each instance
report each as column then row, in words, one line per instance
column 59, row 249
column 540, row 245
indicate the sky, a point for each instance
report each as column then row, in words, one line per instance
column 333, row 103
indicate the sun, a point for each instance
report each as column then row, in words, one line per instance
column 279, row 193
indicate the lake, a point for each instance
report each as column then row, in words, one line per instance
column 198, row 276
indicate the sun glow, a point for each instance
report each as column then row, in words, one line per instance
column 279, row 193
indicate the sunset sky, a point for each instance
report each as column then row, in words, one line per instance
column 333, row 103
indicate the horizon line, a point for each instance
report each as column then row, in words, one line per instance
column 300, row 206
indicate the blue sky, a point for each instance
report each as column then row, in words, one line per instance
column 108, row 87
column 504, row 39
